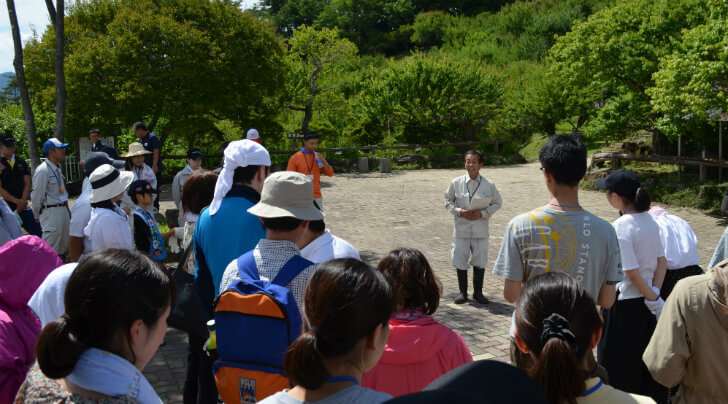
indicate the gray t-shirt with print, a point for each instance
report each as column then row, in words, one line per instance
column 546, row 240
column 350, row 395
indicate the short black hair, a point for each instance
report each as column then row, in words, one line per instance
column 564, row 157
column 244, row 175
column 139, row 125
column 475, row 153
column 286, row 223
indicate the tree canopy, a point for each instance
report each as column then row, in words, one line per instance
column 186, row 61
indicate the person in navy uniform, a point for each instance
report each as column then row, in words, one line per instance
column 98, row 146
column 15, row 184
column 151, row 143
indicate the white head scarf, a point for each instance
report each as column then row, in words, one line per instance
column 240, row 153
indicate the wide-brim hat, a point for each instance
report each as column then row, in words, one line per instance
column 287, row 194
column 108, row 182
column 622, row 182
column 136, row 149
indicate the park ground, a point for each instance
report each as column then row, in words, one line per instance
column 378, row 212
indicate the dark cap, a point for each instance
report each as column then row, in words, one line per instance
column 194, row 153
column 97, row 159
column 140, row 187
column 310, row 135
column 622, row 182
column 94, row 130
column 7, row 139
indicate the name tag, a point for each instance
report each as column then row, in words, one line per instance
column 310, row 177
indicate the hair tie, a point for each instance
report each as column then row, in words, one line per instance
column 315, row 331
column 556, row 326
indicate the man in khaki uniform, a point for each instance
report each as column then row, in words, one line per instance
column 50, row 197
column 472, row 199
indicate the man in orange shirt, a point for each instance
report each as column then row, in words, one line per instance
column 311, row 164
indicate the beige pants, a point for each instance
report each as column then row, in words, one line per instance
column 55, row 222
column 462, row 249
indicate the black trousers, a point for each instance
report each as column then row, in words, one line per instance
column 674, row 275
column 629, row 327
column 193, row 369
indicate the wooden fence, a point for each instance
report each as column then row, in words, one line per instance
column 617, row 158
column 495, row 144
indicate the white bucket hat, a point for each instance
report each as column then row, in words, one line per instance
column 108, row 182
column 287, row 194
column 136, row 149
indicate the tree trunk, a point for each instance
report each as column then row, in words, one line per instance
column 58, row 132
column 307, row 117
column 30, row 136
column 660, row 143
column 153, row 123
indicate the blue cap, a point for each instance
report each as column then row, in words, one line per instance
column 51, row 144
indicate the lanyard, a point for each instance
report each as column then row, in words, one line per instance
column 334, row 379
column 593, row 389
column 313, row 160
column 471, row 194
column 60, row 182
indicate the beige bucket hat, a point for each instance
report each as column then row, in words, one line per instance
column 136, row 149
column 287, row 194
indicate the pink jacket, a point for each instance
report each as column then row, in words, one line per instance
column 24, row 264
column 417, row 352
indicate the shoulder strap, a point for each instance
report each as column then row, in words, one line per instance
column 247, row 268
column 291, row 269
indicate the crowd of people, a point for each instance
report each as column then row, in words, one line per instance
column 256, row 246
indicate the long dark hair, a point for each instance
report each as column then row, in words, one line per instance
column 412, row 279
column 345, row 301
column 107, row 292
column 556, row 318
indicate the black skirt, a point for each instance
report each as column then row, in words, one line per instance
column 628, row 329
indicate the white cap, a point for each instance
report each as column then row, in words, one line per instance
column 240, row 153
column 252, row 134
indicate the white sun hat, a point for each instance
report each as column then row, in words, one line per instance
column 108, row 182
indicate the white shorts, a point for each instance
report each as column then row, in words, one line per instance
column 462, row 249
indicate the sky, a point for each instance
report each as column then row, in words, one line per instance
column 32, row 15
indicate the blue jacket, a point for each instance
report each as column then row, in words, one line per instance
column 221, row 238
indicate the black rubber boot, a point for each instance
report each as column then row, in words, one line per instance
column 478, row 275
column 463, row 285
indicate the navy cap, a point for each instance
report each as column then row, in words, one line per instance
column 97, row 159
column 622, row 182
column 51, row 144
column 194, row 153
column 7, row 139
column 140, row 187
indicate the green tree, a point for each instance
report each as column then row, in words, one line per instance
column 316, row 61
column 691, row 87
column 617, row 50
column 434, row 98
column 187, row 62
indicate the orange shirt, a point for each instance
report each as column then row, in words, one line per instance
column 305, row 163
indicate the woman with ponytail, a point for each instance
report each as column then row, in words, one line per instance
column 631, row 321
column 117, row 303
column 557, row 324
column 347, row 307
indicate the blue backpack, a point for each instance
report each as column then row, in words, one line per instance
column 255, row 322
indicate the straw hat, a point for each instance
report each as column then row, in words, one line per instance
column 108, row 182
column 136, row 149
column 287, row 194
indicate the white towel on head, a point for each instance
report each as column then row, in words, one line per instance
column 240, row 153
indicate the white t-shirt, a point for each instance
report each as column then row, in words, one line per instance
column 47, row 301
column 327, row 247
column 639, row 245
column 681, row 244
column 108, row 229
column 80, row 216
